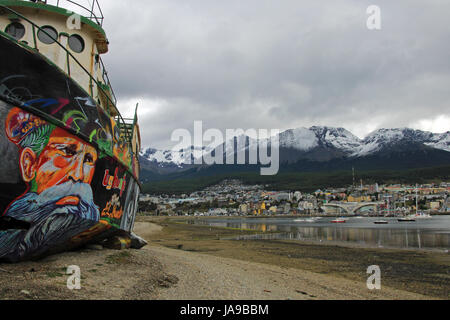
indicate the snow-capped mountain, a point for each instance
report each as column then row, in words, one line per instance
column 318, row 144
column 338, row 138
column 384, row 138
column 163, row 157
column 177, row 157
column 440, row 141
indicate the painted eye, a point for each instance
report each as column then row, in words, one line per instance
column 89, row 158
column 69, row 150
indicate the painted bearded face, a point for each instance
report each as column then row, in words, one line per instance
column 57, row 166
column 65, row 158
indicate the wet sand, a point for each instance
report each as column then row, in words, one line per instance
column 190, row 262
column 425, row 273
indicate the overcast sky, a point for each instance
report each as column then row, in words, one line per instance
column 279, row 64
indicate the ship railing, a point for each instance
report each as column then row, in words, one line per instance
column 93, row 11
column 127, row 127
column 110, row 103
column 105, row 77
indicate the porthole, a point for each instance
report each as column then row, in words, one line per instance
column 44, row 36
column 76, row 43
column 15, row 30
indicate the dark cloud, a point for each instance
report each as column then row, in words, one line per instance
column 272, row 64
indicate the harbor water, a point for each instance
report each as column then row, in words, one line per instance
column 431, row 233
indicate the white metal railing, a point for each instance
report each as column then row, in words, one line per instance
column 90, row 10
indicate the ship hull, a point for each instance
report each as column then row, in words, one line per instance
column 67, row 177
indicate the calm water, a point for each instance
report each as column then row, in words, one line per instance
column 431, row 233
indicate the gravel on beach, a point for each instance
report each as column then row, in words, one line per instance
column 190, row 265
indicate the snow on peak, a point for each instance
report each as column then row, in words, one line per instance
column 167, row 156
column 338, row 138
column 383, row 137
column 305, row 139
column 300, row 139
column 440, row 141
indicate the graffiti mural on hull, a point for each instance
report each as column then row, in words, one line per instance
column 34, row 84
column 68, row 174
column 59, row 191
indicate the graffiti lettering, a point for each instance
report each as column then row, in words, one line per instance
column 113, row 209
column 9, row 93
column 87, row 101
column 113, row 182
column 74, row 119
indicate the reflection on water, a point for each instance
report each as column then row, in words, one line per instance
column 432, row 233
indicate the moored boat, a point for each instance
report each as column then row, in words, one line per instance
column 421, row 215
column 413, row 217
column 70, row 171
column 339, row 220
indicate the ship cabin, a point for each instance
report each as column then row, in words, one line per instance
column 70, row 36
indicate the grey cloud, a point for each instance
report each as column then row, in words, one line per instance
column 272, row 64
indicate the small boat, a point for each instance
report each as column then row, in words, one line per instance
column 381, row 222
column 310, row 220
column 418, row 215
column 339, row 220
column 421, row 215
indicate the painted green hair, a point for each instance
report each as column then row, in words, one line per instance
column 38, row 139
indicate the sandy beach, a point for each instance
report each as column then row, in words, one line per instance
column 185, row 262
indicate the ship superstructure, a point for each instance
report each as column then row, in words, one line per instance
column 70, row 166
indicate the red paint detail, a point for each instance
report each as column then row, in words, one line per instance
column 68, row 201
column 123, row 185
column 62, row 104
column 105, row 178
column 116, row 179
column 69, row 122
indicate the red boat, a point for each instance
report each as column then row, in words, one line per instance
column 340, row 220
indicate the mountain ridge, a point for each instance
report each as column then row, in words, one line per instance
column 317, row 143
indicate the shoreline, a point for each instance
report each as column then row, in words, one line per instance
column 252, row 232
column 422, row 272
column 281, row 216
column 188, row 262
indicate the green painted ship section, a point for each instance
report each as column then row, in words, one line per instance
column 57, row 10
column 105, row 150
